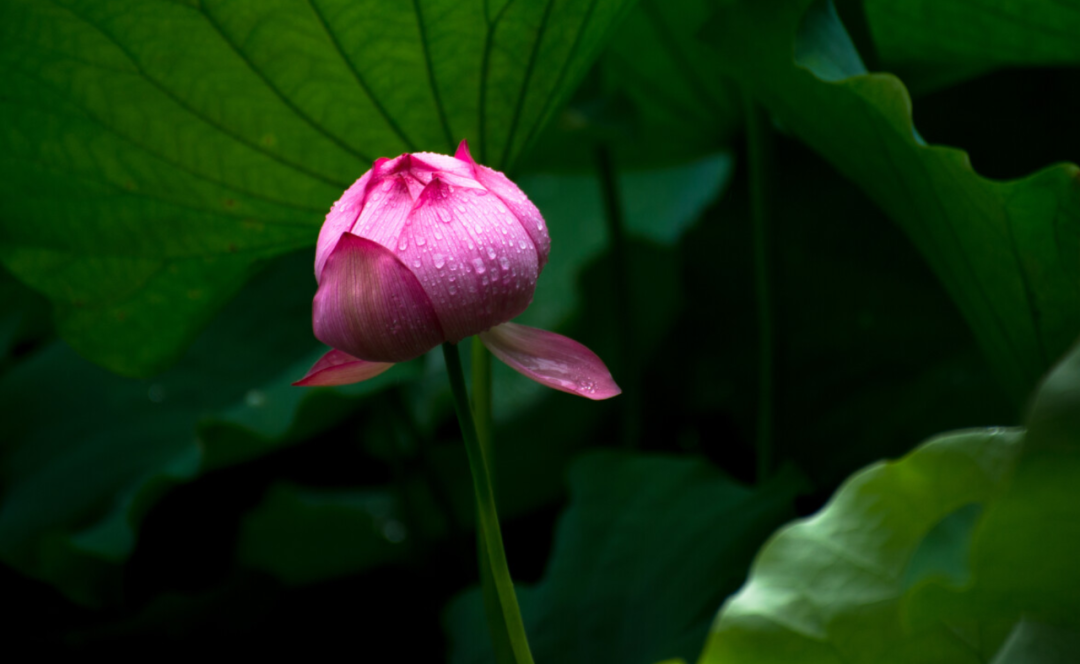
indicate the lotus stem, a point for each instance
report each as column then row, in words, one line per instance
column 501, row 606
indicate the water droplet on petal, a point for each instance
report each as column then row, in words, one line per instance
column 491, row 252
column 522, row 244
column 504, row 263
column 440, row 260
column 416, row 263
column 452, row 290
column 478, row 263
column 420, row 240
column 403, row 244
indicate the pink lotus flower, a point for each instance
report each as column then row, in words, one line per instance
column 425, row 249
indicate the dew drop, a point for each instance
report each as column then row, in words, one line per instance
column 416, row 263
column 420, row 240
column 440, row 261
column 478, row 263
column 481, row 192
column 452, row 290
column 403, row 244
column 504, row 263
column 491, row 252
column 521, row 244
column 444, row 215
column 438, row 235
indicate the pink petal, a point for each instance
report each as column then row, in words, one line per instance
column 471, row 256
column 515, row 200
column 371, row 306
column 340, row 219
column 551, row 359
column 340, row 368
column 385, row 210
column 441, row 162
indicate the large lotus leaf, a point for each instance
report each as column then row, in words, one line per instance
column 1007, row 252
column 974, row 33
column 153, row 151
column 932, row 558
column 677, row 87
column 830, row 588
column 646, row 546
column 85, row 453
column 1025, row 550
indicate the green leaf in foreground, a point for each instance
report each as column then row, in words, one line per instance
column 1007, row 252
column 648, row 544
column 933, row 558
column 153, row 151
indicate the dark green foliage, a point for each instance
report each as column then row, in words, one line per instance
column 165, row 169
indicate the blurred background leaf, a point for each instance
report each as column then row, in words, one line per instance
column 1005, row 251
column 77, row 484
column 930, row 43
column 190, row 141
column 646, row 548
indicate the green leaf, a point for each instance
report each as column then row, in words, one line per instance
column 648, row 544
column 302, row 536
column 153, row 152
column 1025, row 549
column 1036, row 643
column 77, row 486
column 1005, row 251
column 678, row 88
column 921, row 34
column 830, row 588
column 936, row 557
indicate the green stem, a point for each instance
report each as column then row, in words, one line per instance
column 616, row 225
column 504, row 616
column 757, row 143
column 481, row 398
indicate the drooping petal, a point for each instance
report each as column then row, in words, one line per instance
column 551, row 359
column 471, row 256
column 514, row 199
column 371, row 306
column 339, row 368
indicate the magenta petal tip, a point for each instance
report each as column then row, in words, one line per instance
column 340, row 368
column 552, row 360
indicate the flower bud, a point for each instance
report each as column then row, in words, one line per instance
column 425, row 249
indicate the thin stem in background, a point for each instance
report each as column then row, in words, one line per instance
column 757, row 144
column 616, row 225
column 501, row 606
